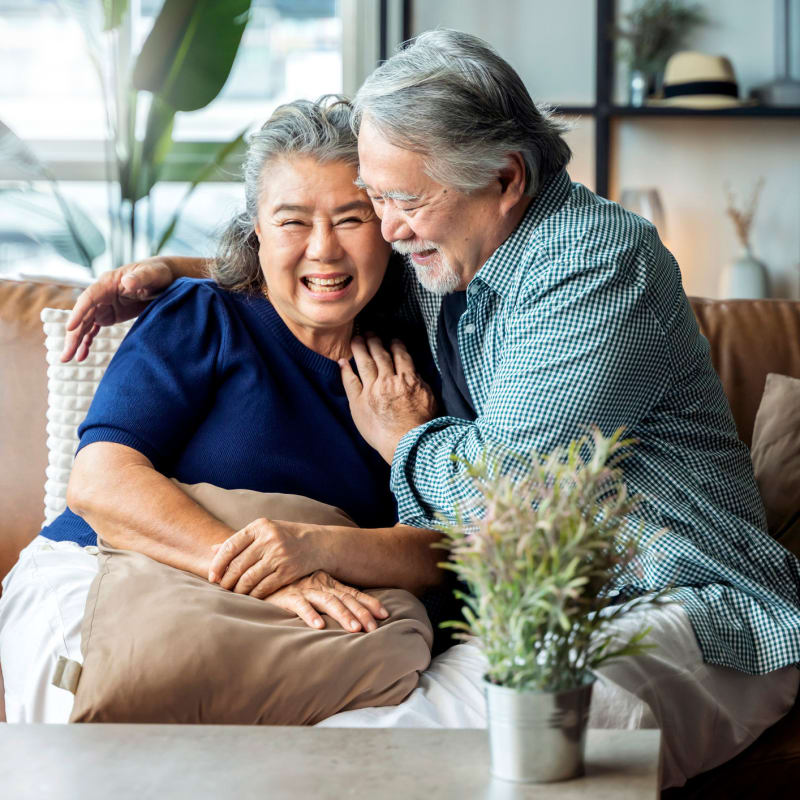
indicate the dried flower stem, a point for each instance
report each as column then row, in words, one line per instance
column 743, row 218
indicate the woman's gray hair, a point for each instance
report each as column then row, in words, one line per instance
column 320, row 130
column 450, row 97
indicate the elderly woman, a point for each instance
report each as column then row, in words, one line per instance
column 235, row 382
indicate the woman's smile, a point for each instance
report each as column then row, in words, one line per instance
column 327, row 286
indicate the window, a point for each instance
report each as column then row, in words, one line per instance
column 50, row 96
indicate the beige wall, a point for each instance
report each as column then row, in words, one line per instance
column 689, row 160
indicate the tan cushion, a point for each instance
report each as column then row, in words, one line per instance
column 163, row 645
column 239, row 507
column 776, row 453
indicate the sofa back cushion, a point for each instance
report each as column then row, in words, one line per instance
column 749, row 339
column 23, row 406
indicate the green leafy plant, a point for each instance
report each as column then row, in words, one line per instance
column 541, row 553
column 45, row 217
column 654, row 30
column 182, row 66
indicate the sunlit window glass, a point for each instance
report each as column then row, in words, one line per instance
column 49, row 90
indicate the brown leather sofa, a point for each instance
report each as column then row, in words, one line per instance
column 748, row 340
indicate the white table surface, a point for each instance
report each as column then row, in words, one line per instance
column 94, row 762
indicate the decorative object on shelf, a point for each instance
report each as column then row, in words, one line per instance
column 700, row 80
column 651, row 33
column 784, row 90
column 646, row 202
column 544, row 551
column 746, row 277
column 638, row 88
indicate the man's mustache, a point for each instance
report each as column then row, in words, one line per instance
column 406, row 247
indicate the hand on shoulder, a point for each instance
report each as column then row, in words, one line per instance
column 115, row 296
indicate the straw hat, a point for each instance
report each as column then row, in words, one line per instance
column 699, row 80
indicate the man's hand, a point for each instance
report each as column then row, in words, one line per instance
column 114, row 297
column 387, row 398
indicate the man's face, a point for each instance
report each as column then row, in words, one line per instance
column 447, row 233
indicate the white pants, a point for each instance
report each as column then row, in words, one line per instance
column 707, row 714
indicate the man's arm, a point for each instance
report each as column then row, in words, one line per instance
column 122, row 294
column 586, row 351
column 401, row 556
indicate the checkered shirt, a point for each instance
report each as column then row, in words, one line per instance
column 579, row 318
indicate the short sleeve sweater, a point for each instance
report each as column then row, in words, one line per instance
column 213, row 387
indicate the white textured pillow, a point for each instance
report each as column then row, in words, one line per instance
column 70, row 388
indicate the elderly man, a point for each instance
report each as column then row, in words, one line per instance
column 549, row 309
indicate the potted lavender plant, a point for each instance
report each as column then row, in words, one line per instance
column 540, row 552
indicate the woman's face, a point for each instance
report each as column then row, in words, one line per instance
column 320, row 245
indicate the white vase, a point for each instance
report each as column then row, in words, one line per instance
column 744, row 278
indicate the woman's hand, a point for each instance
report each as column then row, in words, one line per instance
column 319, row 592
column 387, row 398
column 266, row 556
column 114, row 297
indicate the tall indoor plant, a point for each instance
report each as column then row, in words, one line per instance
column 540, row 552
column 182, row 66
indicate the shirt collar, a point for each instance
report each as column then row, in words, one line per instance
column 497, row 272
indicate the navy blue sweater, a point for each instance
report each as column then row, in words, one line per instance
column 212, row 387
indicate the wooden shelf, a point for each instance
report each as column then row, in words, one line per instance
column 737, row 111
column 574, row 111
column 604, row 112
column 674, row 111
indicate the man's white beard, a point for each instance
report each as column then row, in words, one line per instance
column 438, row 276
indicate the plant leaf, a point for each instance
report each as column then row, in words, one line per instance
column 14, row 150
column 113, row 12
column 154, row 148
column 39, row 216
column 219, row 157
column 87, row 15
column 190, row 51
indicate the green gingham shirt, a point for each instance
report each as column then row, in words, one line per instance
column 579, row 318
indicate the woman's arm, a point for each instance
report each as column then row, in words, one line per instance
column 132, row 506
column 399, row 557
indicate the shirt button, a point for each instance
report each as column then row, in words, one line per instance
column 469, row 328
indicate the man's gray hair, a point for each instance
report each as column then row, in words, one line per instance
column 450, row 97
column 320, row 130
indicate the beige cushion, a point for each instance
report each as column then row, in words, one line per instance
column 163, row 645
column 776, row 455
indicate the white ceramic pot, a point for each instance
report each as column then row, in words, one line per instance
column 537, row 737
column 745, row 278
